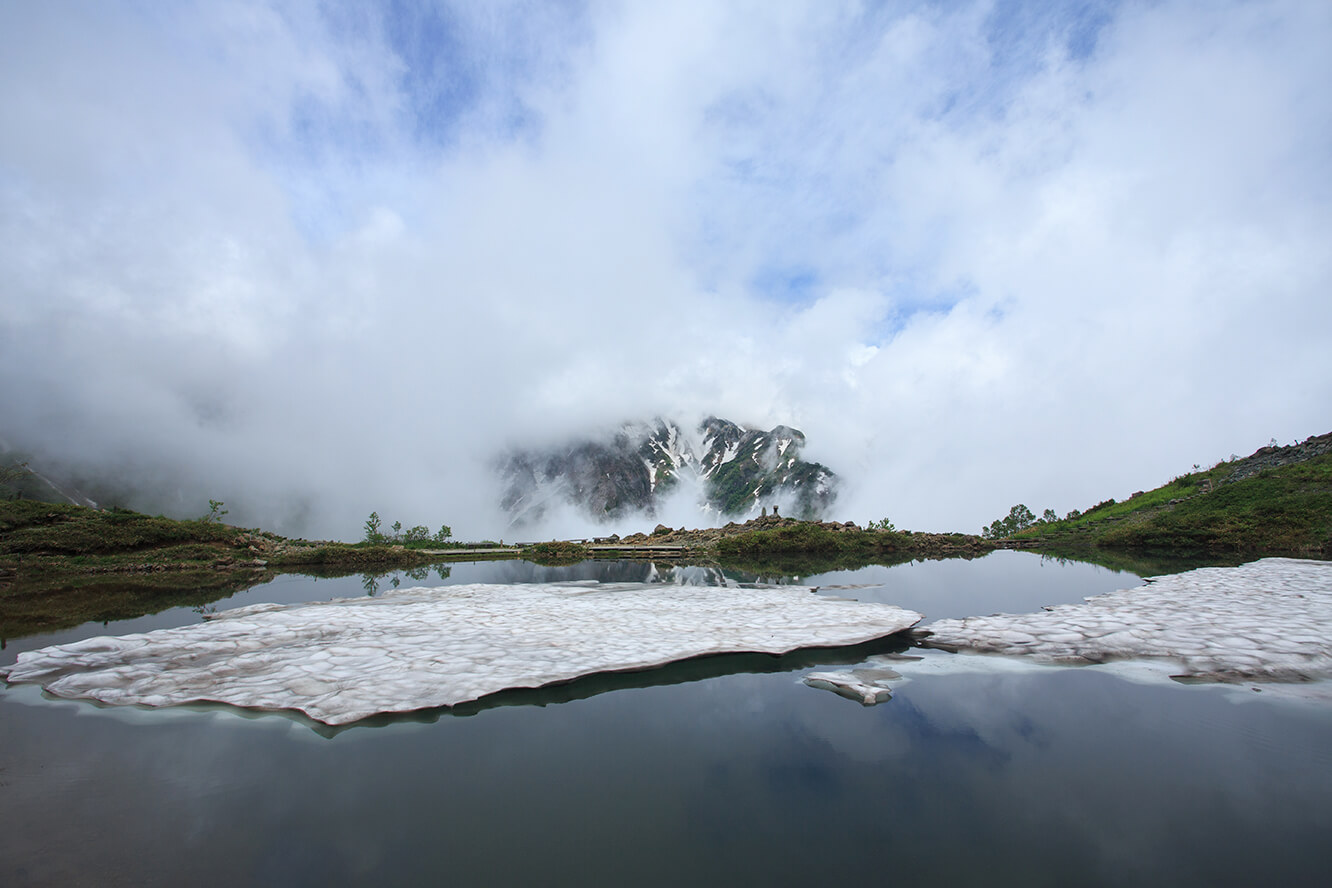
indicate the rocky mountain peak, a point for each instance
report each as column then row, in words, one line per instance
column 738, row 470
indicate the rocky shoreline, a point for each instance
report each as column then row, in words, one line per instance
column 846, row 533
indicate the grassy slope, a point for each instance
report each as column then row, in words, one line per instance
column 61, row 537
column 1282, row 510
column 62, row 565
column 30, row 529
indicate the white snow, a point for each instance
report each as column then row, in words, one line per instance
column 1270, row 620
column 341, row 661
column 869, row 683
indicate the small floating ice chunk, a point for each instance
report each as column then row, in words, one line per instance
column 869, row 686
column 869, row 683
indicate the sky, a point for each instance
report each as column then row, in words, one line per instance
column 317, row 259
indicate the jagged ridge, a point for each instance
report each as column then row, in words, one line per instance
column 740, row 471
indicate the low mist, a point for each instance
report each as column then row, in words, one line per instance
column 288, row 260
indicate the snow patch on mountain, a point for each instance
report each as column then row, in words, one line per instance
column 728, row 469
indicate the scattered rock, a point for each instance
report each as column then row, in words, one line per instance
column 1272, row 457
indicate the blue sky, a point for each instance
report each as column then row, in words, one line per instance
column 980, row 252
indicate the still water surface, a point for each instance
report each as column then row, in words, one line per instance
column 695, row 774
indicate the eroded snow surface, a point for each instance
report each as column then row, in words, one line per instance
column 1270, row 620
column 1265, row 626
column 341, row 661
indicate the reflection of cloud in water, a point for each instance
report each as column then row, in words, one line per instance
column 1001, row 581
column 1043, row 775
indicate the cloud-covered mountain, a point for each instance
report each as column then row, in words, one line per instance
column 731, row 471
column 319, row 259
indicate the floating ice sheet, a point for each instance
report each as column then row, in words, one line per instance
column 1270, row 620
column 341, row 661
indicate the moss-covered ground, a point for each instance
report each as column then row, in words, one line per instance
column 1282, row 510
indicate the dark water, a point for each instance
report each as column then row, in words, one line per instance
column 705, row 776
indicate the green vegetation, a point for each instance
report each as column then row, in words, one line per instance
column 345, row 556
column 1019, row 518
column 1281, row 509
column 810, row 538
column 415, row 537
column 215, row 512
column 556, row 553
column 735, row 484
column 31, row 528
column 803, row 538
column 800, row 564
column 13, row 472
column 63, row 564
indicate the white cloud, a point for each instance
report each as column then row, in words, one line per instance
column 316, row 263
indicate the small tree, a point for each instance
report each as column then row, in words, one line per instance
column 443, row 534
column 372, row 534
column 397, row 529
column 1019, row 518
column 1049, row 516
column 215, row 512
